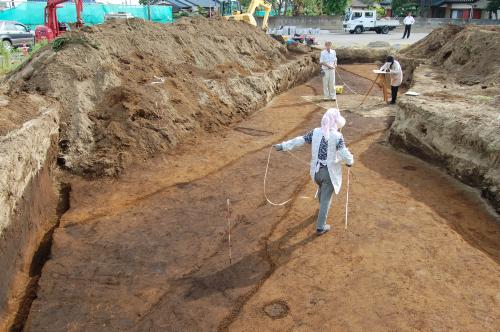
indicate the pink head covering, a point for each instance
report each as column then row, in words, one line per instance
column 331, row 120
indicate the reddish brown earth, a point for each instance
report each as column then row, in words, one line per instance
column 149, row 251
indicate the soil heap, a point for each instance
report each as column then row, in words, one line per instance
column 130, row 89
column 470, row 54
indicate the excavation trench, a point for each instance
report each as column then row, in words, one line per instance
column 149, row 251
column 40, row 257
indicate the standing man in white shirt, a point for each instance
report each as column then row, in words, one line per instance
column 394, row 68
column 328, row 62
column 408, row 22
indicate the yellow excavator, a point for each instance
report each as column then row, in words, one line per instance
column 231, row 9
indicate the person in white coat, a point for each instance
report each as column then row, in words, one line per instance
column 328, row 150
column 394, row 68
column 328, row 62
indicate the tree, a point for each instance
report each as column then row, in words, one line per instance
column 493, row 7
column 401, row 7
column 334, row 7
column 380, row 10
column 298, row 7
column 313, row 7
column 280, row 6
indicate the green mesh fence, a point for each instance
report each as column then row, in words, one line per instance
column 31, row 13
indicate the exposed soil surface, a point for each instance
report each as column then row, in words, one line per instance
column 468, row 54
column 149, row 251
column 19, row 109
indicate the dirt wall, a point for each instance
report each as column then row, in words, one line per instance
column 469, row 54
column 362, row 55
column 454, row 126
column 455, row 120
column 28, row 204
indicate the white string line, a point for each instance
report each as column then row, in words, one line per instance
column 347, row 197
column 343, row 81
column 302, row 161
column 265, row 181
column 229, row 228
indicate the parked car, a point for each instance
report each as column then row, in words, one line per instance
column 15, row 34
column 358, row 21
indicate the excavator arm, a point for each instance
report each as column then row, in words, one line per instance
column 51, row 14
column 52, row 28
column 248, row 15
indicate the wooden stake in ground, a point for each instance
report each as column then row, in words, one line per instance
column 229, row 230
column 347, row 197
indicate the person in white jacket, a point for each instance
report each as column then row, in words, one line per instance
column 408, row 22
column 394, row 68
column 328, row 150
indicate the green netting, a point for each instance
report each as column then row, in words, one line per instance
column 31, row 13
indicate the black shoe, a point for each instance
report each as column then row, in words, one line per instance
column 392, row 102
column 321, row 231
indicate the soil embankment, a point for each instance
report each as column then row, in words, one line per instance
column 132, row 89
column 455, row 120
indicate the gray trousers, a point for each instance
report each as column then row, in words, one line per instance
column 325, row 191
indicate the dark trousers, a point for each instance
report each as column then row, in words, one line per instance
column 394, row 93
column 325, row 192
column 407, row 30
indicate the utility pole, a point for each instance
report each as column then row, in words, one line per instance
column 149, row 11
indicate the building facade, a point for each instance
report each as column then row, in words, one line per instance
column 459, row 9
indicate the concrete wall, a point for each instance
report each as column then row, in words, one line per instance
column 322, row 22
column 334, row 23
column 28, row 206
column 432, row 23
